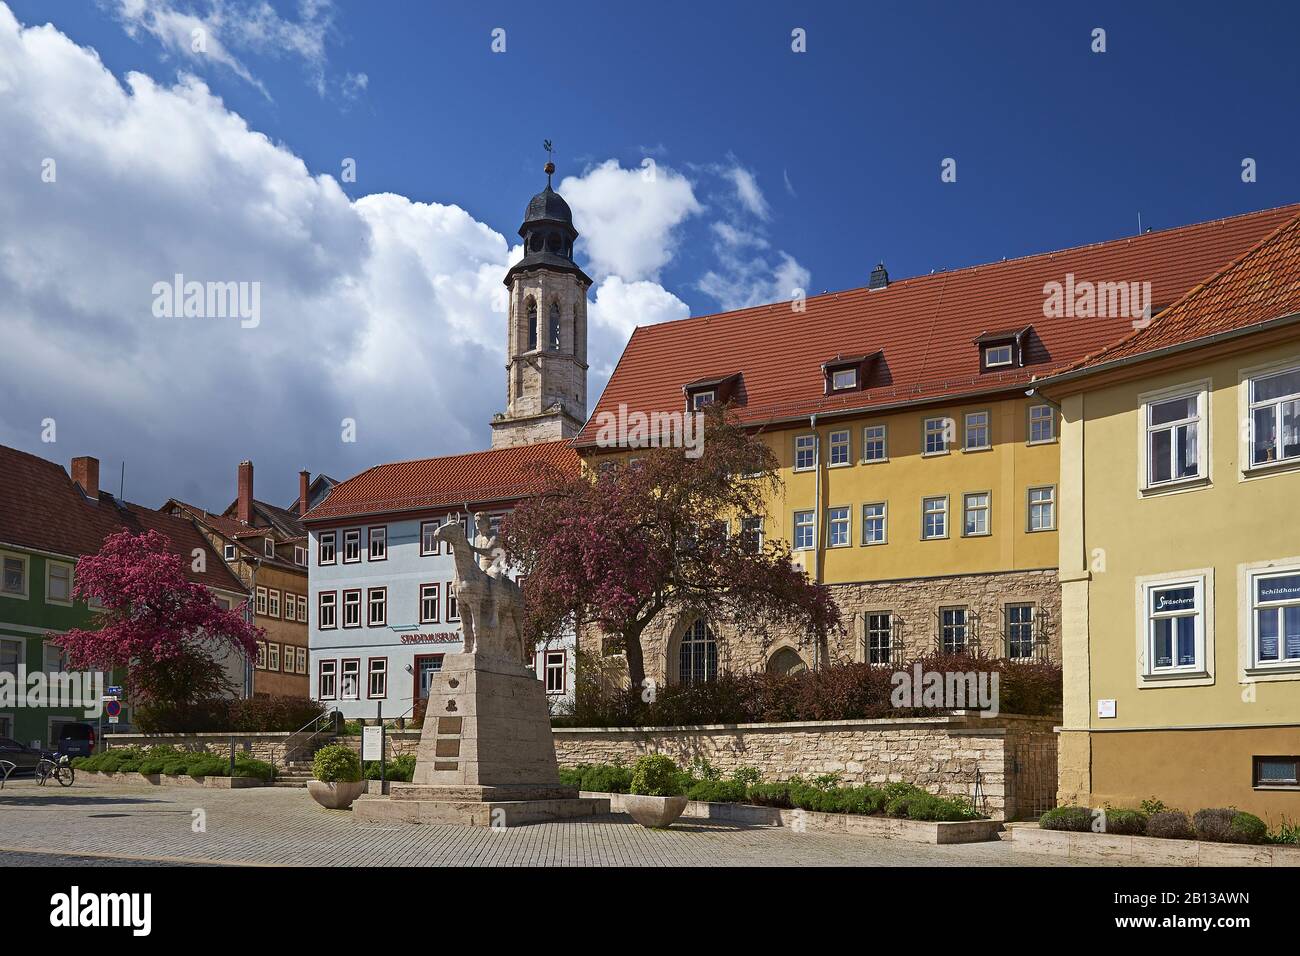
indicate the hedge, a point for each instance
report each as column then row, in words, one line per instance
column 1218, row 825
column 168, row 760
column 241, row 715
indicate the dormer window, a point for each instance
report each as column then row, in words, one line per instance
column 268, row 547
column 844, row 380
column 995, row 355
column 229, row 552
column 700, row 400
column 1002, row 350
column 714, row 390
column 847, row 373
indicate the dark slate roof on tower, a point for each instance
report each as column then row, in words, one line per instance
column 547, row 205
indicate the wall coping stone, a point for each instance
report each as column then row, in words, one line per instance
column 957, row 721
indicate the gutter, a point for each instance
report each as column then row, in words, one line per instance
column 817, row 524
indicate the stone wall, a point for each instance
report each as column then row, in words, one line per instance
column 1014, row 758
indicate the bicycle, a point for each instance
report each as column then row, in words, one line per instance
column 57, row 766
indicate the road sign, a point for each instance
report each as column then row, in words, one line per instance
column 114, row 710
column 115, row 690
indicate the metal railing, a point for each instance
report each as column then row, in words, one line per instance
column 304, row 735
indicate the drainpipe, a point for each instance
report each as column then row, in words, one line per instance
column 817, row 525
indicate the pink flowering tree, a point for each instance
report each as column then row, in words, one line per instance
column 619, row 548
column 166, row 630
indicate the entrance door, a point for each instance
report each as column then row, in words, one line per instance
column 426, row 665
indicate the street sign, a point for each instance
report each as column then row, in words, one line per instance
column 113, row 720
column 372, row 743
column 114, row 710
column 115, row 690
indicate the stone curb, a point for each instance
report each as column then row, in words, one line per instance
column 1112, row 847
column 175, row 780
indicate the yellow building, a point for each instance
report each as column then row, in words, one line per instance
column 1180, row 550
column 920, row 478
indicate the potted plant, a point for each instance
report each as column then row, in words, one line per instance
column 338, row 777
column 658, row 795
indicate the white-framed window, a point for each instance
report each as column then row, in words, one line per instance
column 290, row 607
column 453, row 606
column 326, row 553
column 1174, row 445
column 273, row 603
column 1275, row 417
column 997, row 355
column 875, row 523
column 379, row 544
column 377, row 685
column 300, row 556
column 1042, row 424
column 430, row 603
column 875, row 445
column 377, row 601
column 58, row 582
column 302, row 608
column 300, row 654
column 934, row 517
column 428, row 543
column 937, row 432
column 1020, row 634
column 751, row 534
column 805, row 530
column 1175, row 626
column 228, row 552
column 268, row 547
column 261, row 655
column 975, row 513
column 1042, row 508
column 260, row 605
column 805, row 452
column 844, row 378
column 977, row 431
column 701, row 400
column 352, row 546
column 557, row 672
column 326, row 602
column 326, row 683
column 838, row 531
column 273, row 656
column 880, row 637
column 1275, row 617
column 13, row 575
column 352, row 607
column 351, row 684
column 954, row 630
column 841, row 447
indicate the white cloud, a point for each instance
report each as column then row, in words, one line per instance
column 747, row 191
column 628, row 218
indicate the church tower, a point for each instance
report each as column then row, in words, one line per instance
column 546, row 368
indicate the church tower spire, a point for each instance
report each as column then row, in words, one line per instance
column 546, row 339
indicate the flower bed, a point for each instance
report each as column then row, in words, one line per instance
column 170, row 762
column 1164, row 851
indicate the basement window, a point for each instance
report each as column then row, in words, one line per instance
column 1276, row 773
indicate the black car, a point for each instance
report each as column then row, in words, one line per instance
column 20, row 755
column 77, row 740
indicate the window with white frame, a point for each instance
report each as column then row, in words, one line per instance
column 300, row 654
column 936, row 436
column 325, row 610
column 273, row 656
column 352, row 546
column 751, row 534
column 261, row 655
column 1275, row 417
column 975, row 513
column 838, row 533
column 228, row 552
column 430, row 603
column 1042, row 508
column 326, row 686
column 880, row 637
column 290, row 607
column 997, row 355
column 1042, row 424
column 953, row 630
column 1275, row 617
column 378, row 544
column 874, row 445
column 300, row 556
column 701, row 400
column 1175, row 632
column 325, row 553
column 58, row 582
column 273, row 603
column 556, row 672
column 352, row 607
column 934, row 517
column 1173, row 439
column 377, row 685
column 805, row 452
column 14, row 579
column 874, row 523
column 428, row 543
column 844, row 378
column 302, row 608
column 805, row 530
column 351, row 683
column 977, row 431
column 378, row 604
column 1020, row 631
column 453, row 606
column 268, row 547
column 841, row 447
column 260, row 606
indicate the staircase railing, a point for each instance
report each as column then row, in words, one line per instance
column 304, row 735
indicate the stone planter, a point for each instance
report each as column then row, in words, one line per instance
column 336, row 795
column 656, row 813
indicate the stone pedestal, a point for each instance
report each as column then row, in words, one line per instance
column 486, row 754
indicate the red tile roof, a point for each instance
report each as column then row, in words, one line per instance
column 42, row 509
column 1258, row 287
column 501, row 474
column 925, row 325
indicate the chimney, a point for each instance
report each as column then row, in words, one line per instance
column 85, row 472
column 245, row 513
column 304, row 487
column 879, row 277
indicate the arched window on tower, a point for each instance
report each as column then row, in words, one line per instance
column 532, row 324
column 697, row 660
column 553, row 338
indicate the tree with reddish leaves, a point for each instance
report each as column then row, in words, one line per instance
column 617, row 549
column 167, row 631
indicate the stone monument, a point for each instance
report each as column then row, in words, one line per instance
column 486, row 754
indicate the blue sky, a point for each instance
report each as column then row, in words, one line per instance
column 820, row 162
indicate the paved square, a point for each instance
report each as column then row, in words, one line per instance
column 284, row 826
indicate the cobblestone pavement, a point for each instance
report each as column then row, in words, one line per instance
column 284, row 826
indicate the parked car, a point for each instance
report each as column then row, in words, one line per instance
column 20, row 755
column 76, row 740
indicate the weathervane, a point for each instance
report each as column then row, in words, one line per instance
column 550, row 166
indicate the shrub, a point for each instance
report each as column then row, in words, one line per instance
column 337, row 763
column 207, row 765
column 400, row 768
column 655, row 775
column 700, row 769
column 1229, row 825
column 1126, row 822
column 571, row 777
column 865, row 800
column 771, row 795
column 1170, row 825
column 746, row 776
column 154, row 759
column 607, row 778
column 1074, row 819
column 1286, row 833
column 1151, row 806
column 717, row 791
column 246, row 766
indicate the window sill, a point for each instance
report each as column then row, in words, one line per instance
column 805, row 469
column 935, row 454
column 873, row 461
column 840, row 464
column 940, row 537
column 872, row 544
column 977, row 534
column 1039, row 530
column 971, row 451
column 1171, row 487
column 1270, row 467
column 1044, row 441
column 1172, row 679
column 1289, row 670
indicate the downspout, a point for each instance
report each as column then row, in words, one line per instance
column 817, row 526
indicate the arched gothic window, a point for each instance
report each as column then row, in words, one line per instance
column 698, row 657
column 532, row 325
column 553, row 338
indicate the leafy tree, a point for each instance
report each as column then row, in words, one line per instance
column 165, row 629
column 620, row 548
